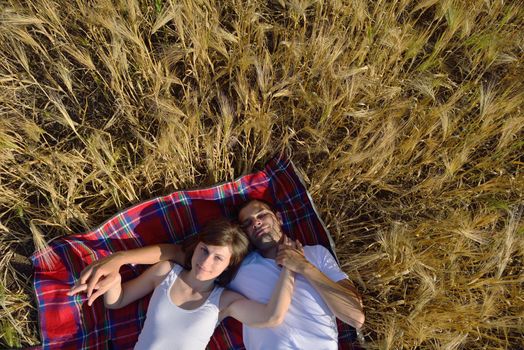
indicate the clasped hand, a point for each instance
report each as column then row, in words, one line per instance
column 291, row 255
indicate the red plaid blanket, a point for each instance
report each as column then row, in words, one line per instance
column 66, row 322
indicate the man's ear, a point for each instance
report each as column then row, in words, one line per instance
column 279, row 218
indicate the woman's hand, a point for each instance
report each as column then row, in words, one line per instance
column 107, row 268
column 102, row 287
column 100, row 275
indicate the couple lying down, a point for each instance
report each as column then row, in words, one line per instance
column 294, row 292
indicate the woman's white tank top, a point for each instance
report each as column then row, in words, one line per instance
column 168, row 326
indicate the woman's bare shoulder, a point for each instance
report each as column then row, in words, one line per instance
column 160, row 270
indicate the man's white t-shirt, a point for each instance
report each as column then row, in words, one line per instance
column 309, row 323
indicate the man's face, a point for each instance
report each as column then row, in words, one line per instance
column 261, row 225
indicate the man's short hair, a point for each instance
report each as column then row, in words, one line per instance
column 266, row 203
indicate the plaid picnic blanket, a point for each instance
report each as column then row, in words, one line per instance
column 67, row 322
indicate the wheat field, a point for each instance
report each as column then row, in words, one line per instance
column 404, row 117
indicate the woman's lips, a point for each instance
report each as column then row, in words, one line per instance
column 200, row 268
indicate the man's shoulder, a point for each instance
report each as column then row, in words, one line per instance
column 315, row 247
column 315, row 251
column 250, row 259
column 252, row 262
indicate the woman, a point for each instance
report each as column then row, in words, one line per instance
column 187, row 303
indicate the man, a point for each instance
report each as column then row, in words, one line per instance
column 322, row 291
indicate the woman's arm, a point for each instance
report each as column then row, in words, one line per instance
column 255, row 314
column 102, row 273
column 118, row 295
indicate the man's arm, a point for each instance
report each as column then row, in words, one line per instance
column 341, row 297
column 106, row 269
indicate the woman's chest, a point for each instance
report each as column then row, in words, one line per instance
column 186, row 298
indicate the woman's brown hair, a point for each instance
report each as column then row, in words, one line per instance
column 220, row 232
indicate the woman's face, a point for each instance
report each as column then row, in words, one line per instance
column 209, row 261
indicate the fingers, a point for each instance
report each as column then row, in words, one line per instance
column 280, row 259
column 283, row 254
column 77, row 289
column 107, row 282
column 289, row 252
column 287, row 243
column 87, row 278
column 86, row 272
column 81, row 288
column 96, row 294
column 298, row 245
column 93, row 281
column 284, row 242
column 104, row 285
column 100, row 290
column 283, row 250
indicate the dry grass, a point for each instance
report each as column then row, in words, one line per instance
column 406, row 119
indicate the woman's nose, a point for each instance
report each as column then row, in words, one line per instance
column 205, row 261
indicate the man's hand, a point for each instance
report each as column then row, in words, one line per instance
column 291, row 255
column 99, row 275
